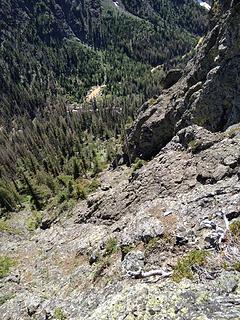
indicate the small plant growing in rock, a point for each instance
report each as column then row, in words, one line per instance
column 163, row 243
column 193, row 145
column 152, row 101
column 231, row 133
column 111, row 247
column 59, row 314
column 183, row 269
column 235, row 229
column 126, row 249
column 6, row 227
column 104, row 261
column 152, row 244
column 236, row 266
column 34, row 221
column 138, row 165
column 100, row 267
column 5, row 298
column 225, row 265
column 5, row 265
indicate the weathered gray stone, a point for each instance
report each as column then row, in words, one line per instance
column 141, row 228
column 133, row 261
column 32, row 305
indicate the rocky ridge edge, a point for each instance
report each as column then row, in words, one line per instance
column 207, row 94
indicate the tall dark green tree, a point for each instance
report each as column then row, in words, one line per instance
column 33, row 192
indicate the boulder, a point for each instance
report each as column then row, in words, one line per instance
column 133, row 261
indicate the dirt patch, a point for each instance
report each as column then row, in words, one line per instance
column 169, row 221
column 94, row 93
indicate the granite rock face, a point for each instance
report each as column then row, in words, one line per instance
column 207, row 94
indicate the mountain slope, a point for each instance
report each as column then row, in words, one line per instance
column 157, row 241
column 52, row 52
column 56, row 135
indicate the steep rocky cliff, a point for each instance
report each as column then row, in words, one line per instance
column 159, row 242
column 207, row 93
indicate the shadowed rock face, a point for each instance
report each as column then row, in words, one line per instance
column 207, row 94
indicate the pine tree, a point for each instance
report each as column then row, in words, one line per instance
column 35, row 196
column 76, row 171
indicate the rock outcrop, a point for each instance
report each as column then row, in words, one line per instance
column 206, row 95
column 196, row 167
column 90, row 266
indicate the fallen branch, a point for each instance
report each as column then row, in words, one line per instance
column 141, row 274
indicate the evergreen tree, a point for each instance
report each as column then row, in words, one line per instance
column 76, row 171
column 35, row 196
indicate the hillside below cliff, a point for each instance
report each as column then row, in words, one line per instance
column 157, row 240
column 72, row 76
column 65, row 47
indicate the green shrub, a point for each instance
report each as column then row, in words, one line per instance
column 139, row 163
column 80, row 192
column 84, row 187
column 94, row 185
column 183, row 269
column 235, row 229
column 62, row 196
column 5, row 264
column 5, row 298
column 111, row 247
column 34, row 221
column 59, row 314
column 64, row 179
column 71, row 204
column 193, row 145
